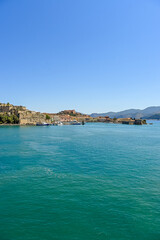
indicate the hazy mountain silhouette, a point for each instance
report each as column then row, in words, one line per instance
column 133, row 113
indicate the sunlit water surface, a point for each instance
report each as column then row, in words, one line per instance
column 92, row 182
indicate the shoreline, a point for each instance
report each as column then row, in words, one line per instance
column 33, row 125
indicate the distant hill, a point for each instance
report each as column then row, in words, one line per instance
column 133, row 113
column 155, row 116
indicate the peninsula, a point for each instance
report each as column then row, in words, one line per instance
column 10, row 114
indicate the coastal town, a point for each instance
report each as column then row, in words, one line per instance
column 10, row 114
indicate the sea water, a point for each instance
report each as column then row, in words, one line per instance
column 93, row 182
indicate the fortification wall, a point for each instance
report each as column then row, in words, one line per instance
column 31, row 118
column 4, row 108
column 9, row 108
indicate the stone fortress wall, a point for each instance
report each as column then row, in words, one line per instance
column 31, row 118
column 26, row 117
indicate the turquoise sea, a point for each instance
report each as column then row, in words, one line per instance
column 93, row 182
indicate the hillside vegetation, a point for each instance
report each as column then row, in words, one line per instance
column 8, row 119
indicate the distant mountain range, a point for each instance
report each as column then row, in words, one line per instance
column 155, row 116
column 147, row 113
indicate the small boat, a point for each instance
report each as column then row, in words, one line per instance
column 42, row 124
column 59, row 123
column 74, row 122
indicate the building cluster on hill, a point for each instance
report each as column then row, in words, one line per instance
column 10, row 114
column 68, row 116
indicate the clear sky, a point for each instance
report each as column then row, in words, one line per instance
column 88, row 55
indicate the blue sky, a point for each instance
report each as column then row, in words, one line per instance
column 88, row 55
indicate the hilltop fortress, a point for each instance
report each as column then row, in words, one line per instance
column 25, row 116
column 10, row 114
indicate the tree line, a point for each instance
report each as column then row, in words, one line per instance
column 8, row 119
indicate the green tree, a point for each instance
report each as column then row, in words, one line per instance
column 8, row 119
column 4, row 118
column 47, row 117
column 15, row 119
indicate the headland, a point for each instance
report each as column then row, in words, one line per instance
column 11, row 114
